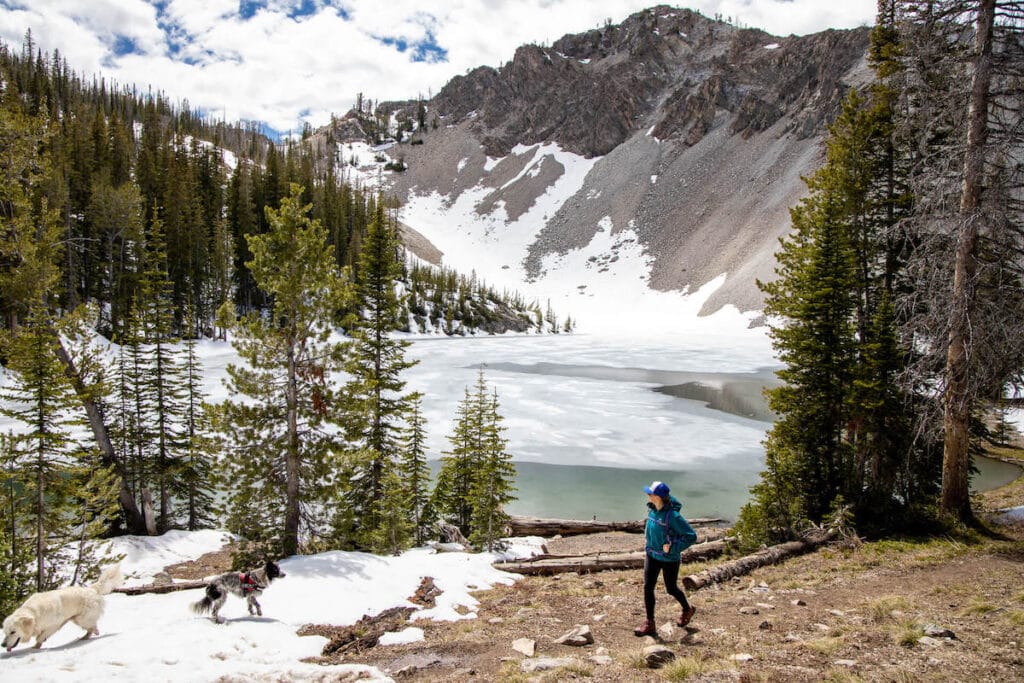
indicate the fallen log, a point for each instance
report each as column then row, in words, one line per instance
column 161, row 588
column 359, row 637
column 748, row 563
column 535, row 526
column 599, row 562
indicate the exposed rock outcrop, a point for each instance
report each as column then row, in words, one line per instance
column 703, row 130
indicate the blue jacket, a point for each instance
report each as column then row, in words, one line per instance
column 667, row 526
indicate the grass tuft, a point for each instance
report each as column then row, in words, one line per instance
column 683, row 668
column 907, row 634
column 978, row 606
column 882, row 608
column 828, row 645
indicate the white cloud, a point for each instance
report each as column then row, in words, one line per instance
column 271, row 67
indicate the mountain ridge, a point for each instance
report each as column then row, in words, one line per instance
column 699, row 133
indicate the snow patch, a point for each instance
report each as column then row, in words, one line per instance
column 772, row 46
column 461, row 165
column 158, row 638
column 654, row 179
column 412, row 634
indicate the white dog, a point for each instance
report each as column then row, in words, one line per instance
column 43, row 614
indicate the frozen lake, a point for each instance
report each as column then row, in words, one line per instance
column 591, row 419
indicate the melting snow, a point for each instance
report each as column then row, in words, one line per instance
column 158, row 638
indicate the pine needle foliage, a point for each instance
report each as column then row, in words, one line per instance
column 477, row 476
column 282, row 454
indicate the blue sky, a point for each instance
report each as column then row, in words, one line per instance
column 288, row 61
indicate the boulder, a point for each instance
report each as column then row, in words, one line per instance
column 657, row 656
column 578, row 637
column 526, row 646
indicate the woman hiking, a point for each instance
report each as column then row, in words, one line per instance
column 666, row 535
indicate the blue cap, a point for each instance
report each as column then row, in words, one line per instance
column 658, row 488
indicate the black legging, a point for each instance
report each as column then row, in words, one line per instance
column 671, row 570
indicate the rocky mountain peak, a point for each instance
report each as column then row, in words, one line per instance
column 672, row 69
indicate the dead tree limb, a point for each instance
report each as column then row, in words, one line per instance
column 164, row 588
column 748, row 563
column 599, row 562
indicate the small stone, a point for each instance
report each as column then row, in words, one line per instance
column 765, row 605
column 495, row 620
column 530, row 666
column 462, row 673
column 933, row 662
column 742, row 658
column 937, row 631
column 765, row 625
column 836, row 613
column 821, row 627
column 657, row 656
column 601, row 651
column 749, row 610
column 649, row 640
column 593, row 583
column 792, row 638
column 798, row 603
column 526, row 646
column 601, row 660
column 666, row 630
column 578, row 637
column 929, row 641
column 845, row 662
column 599, row 617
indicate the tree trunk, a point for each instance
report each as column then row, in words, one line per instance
column 133, row 519
column 748, row 563
column 958, row 401
column 166, row 588
column 290, row 542
column 545, row 565
column 534, row 526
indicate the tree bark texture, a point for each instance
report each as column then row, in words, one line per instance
column 166, row 588
column 133, row 518
column 544, row 565
column 291, row 514
column 748, row 563
column 955, row 499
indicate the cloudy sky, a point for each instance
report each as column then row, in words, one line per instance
column 286, row 61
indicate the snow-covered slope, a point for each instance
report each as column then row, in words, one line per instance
column 635, row 175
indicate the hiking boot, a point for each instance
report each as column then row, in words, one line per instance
column 646, row 630
column 687, row 614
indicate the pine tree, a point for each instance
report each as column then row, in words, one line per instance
column 377, row 408
column 451, row 497
column 16, row 577
column 196, row 478
column 415, row 474
column 163, row 375
column 281, row 457
column 42, row 458
column 494, row 483
column 808, row 456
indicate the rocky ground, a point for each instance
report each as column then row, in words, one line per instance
column 948, row 608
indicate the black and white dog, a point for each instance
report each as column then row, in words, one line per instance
column 243, row 584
